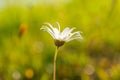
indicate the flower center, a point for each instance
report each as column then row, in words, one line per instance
column 59, row 43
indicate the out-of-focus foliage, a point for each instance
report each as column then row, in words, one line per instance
column 26, row 53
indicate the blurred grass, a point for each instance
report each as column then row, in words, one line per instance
column 26, row 53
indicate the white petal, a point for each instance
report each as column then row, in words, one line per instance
column 58, row 26
column 49, row 25
column 56, row 33
column 71, row 29
column 65, row 32
column 73, row 38
column 75, row 33
column 72, row 34
column 45, row 28
column 66, row 35
column 55, row 30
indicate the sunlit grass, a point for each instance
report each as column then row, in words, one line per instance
column 28, row 52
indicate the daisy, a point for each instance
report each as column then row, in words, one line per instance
column 61, row 37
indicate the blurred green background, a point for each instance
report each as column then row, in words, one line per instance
column 26, row 52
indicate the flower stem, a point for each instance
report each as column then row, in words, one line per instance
column 55, row 57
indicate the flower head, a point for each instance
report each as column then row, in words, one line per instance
column 61, row 37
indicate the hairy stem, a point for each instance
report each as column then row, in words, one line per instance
column 55, row 57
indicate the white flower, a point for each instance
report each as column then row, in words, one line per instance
column 61, row 37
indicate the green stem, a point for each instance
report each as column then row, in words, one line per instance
column 55, row 57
